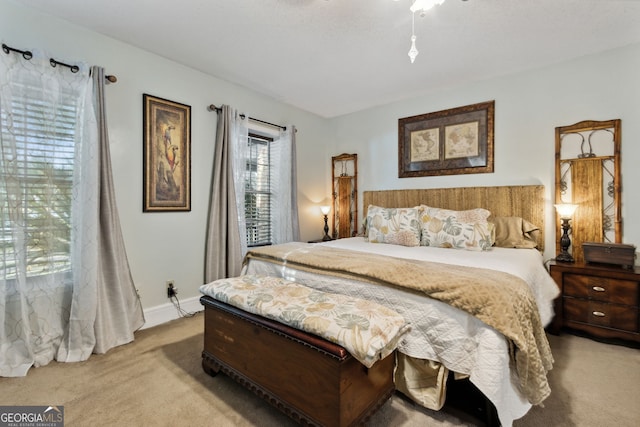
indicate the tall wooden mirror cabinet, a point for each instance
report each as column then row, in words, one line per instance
column 345, row 195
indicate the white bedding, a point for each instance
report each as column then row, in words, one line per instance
column 439, row 332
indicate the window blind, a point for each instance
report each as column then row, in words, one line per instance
column 36, row 172
column 258, row 192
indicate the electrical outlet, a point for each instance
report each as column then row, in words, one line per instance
column 171, row 289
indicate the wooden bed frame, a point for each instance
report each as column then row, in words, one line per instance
column 263, row 355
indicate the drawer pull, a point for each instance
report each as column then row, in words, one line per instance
column 598, row 313
column 598, row 289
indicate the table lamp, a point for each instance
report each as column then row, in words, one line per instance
column 565, row 210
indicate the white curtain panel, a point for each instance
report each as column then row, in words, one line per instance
column 53, row 263
column 47, row 313
column 79, row 338
column 239, row 136
column 283, row 179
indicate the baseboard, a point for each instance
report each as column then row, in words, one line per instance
column 160, row 314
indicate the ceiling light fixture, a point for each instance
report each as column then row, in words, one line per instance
column 424, row 5
column 413, row 52
column 421, row 6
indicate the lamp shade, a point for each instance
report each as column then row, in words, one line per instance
column 566, row 210
column 325, row 210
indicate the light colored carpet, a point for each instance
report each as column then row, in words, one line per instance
column 158, row 381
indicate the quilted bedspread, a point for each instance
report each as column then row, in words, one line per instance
column 499, row 299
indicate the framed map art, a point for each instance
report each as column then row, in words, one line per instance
column 448, row 142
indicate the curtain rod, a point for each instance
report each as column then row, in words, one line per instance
column 216, row 109
column 26, row 54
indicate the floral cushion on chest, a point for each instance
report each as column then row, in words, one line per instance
column 367, row 330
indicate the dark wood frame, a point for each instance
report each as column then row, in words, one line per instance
column 166, row 155
column 438, row 158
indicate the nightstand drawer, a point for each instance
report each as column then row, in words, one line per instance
column 601, row 314
column 601, row 289
column 599, row 300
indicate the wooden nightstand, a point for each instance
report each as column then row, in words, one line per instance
column 599, row 300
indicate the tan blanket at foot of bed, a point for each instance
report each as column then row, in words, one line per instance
column 499, row 299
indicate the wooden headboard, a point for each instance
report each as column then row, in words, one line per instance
column 526, row 201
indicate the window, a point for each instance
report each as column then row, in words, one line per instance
column 36, row 178
column 258, row 191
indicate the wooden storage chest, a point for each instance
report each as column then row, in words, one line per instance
column 310, row 379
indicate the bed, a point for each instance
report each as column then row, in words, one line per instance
column 508, row 367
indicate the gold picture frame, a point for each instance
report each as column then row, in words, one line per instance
column 167, row 155
column 448, row 142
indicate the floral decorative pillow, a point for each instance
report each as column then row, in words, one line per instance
column 447, row 228
column 397, row 226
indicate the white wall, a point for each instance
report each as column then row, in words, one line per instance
column 164, row 246
column 529, row 106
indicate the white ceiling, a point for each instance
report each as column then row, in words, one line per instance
column 333, row 57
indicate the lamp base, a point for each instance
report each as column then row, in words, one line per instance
column 565, row 242
column 564, row 257
column 326, row 236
